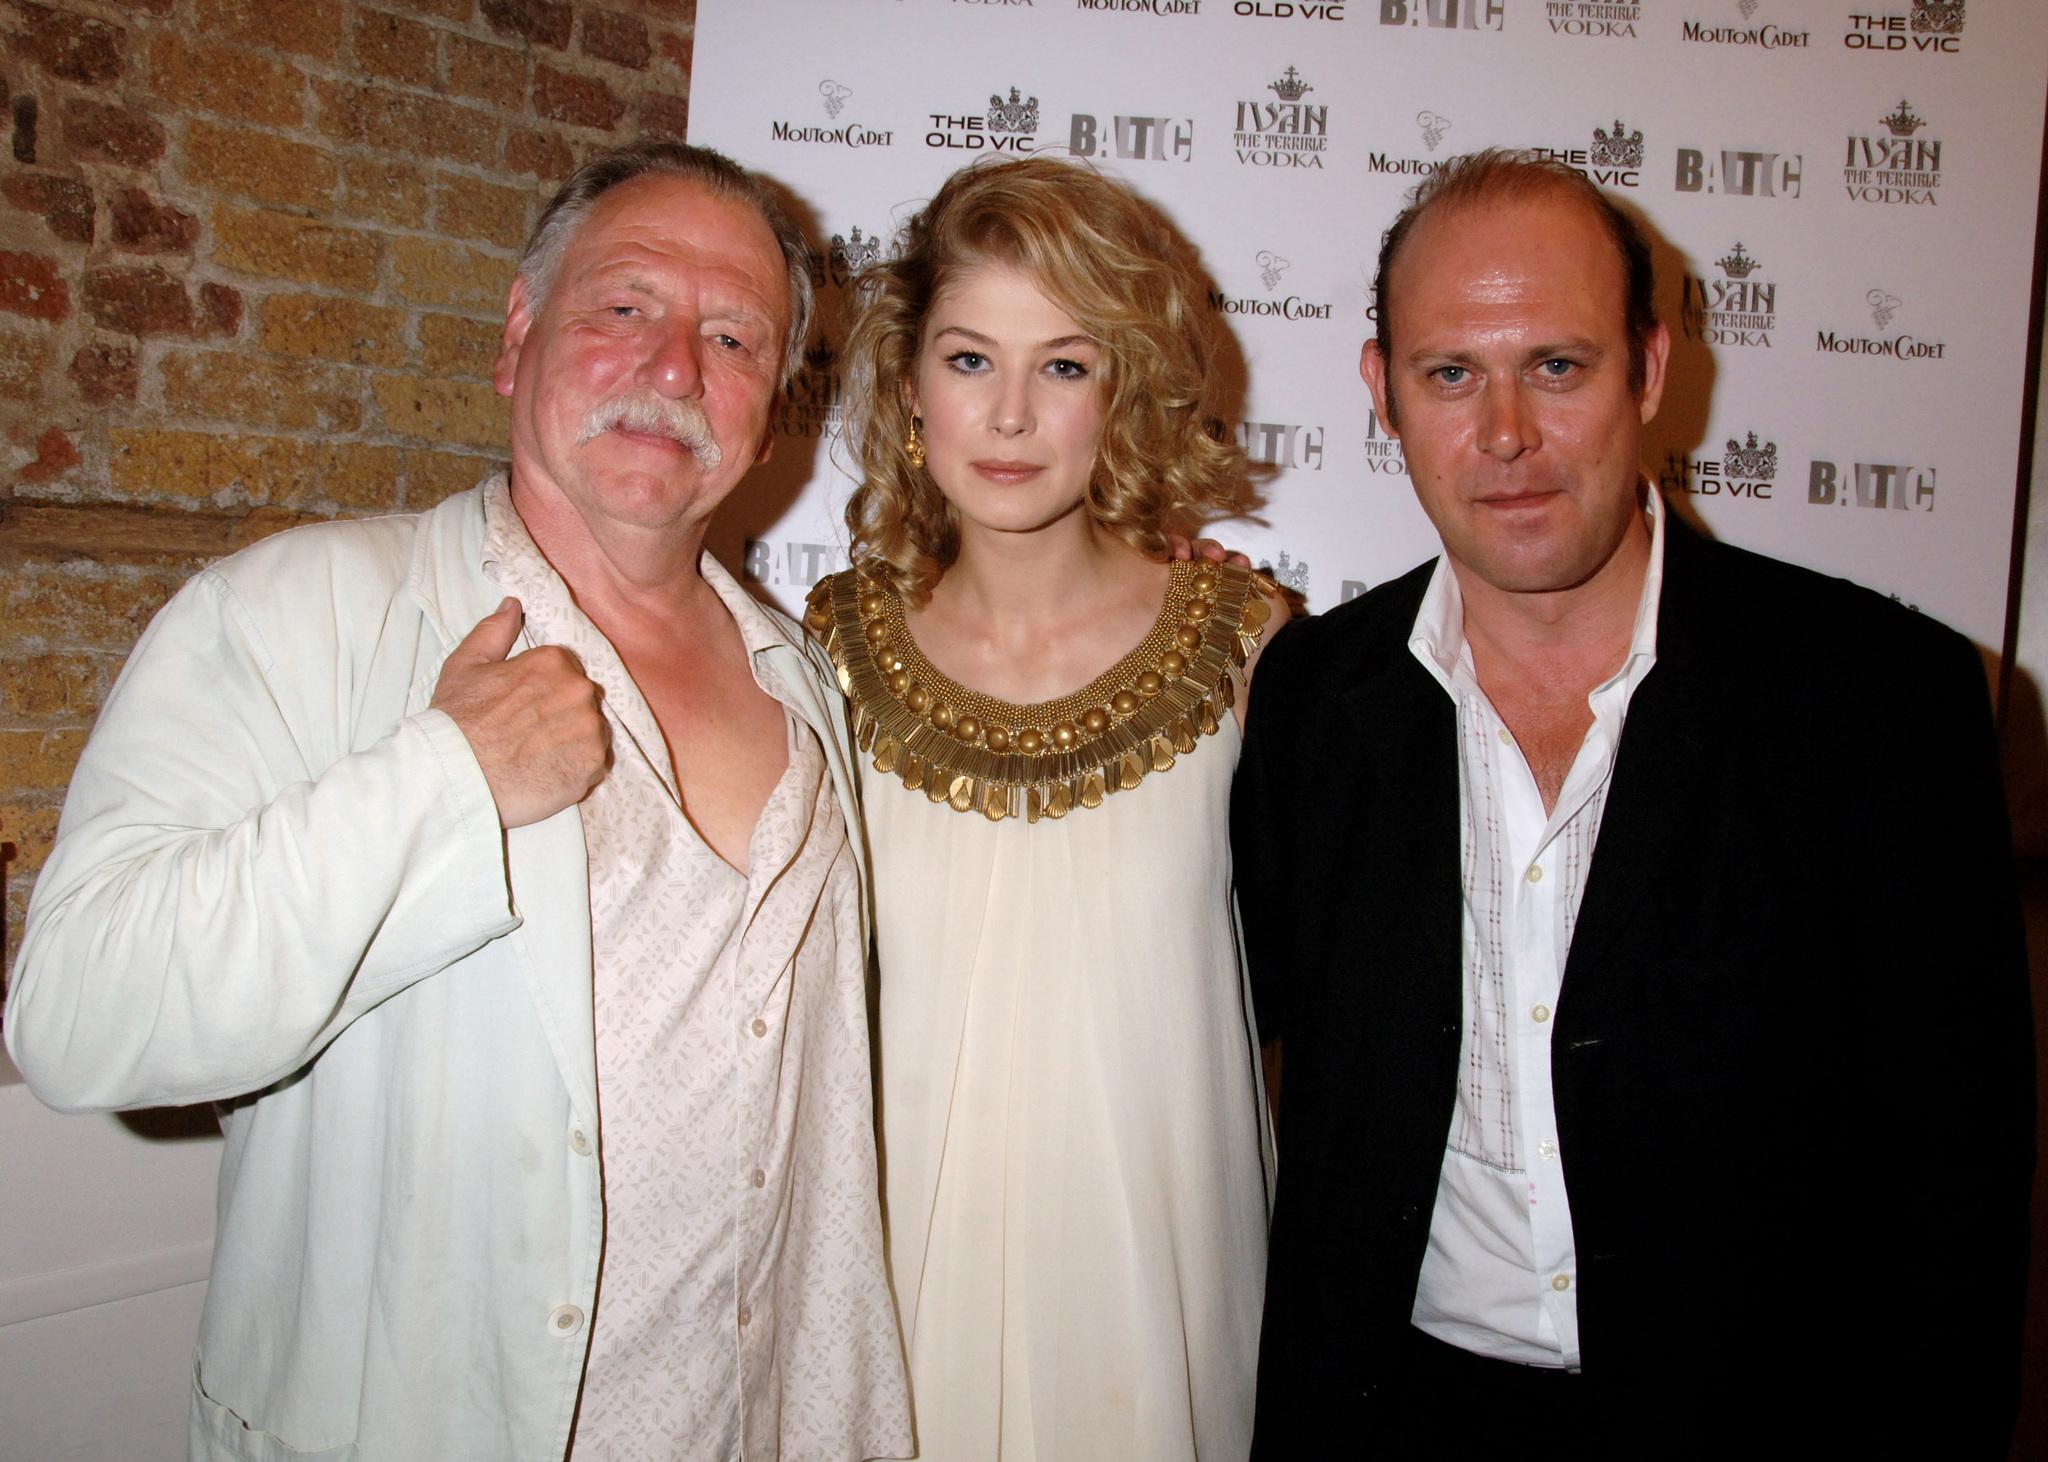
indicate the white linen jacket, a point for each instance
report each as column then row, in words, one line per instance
column 273, row 851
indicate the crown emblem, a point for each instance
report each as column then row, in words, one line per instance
column 1271, row 267
column 1624, row 149
column 1290, row 86
column 851, row 255
column 835, row 96
column 818, row 358
column 1938, row 17
column 1433, row 128
column 1751, row 463
column 1291, row 575
column 1902, row 122
column 1882, row 306
column 1738, row 265
column 1012, row 115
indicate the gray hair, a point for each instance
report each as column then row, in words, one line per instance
column 713, row 171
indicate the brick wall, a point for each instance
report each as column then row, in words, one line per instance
column 253, row 260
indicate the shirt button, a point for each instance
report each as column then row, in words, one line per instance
column 565, row 1320
column 578, row 1143
column 1506, row 737
column 1540, row 1014
column 1535, row 872
column 746, row 1315
column 1561, row 1283
column 1547, row 1148
column 760, row 1027
column 760, row 1178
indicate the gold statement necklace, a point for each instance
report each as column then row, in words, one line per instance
column 979, row 754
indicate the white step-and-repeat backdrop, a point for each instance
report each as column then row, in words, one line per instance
column 1844, row 198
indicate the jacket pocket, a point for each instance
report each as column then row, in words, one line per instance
column 219, row 1435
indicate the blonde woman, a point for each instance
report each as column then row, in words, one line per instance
column 1075, row 1150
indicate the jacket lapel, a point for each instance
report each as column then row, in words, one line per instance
column 1668, row 745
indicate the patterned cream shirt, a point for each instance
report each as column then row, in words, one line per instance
column 742, row 1306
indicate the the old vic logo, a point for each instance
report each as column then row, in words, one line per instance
column 1008, row 126
column 1900, row 168
column 1746, row 471
column 834, row 97
column 1614, row 160
column 1933, row 27
column 1445, row 14
column 1284, row 133
column 1736, row 309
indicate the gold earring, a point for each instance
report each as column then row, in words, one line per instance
column 915, row 447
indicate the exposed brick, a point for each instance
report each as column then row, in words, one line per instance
column 685, row 10
column 355, row 475
column 97, row 133
column 431, row 477
column 154, row 7
column 543, row 156
column 104, row 373
column 469, row 209
column 144, row 226
column 453, row 346
column 24, row 360
column 275, row 169
column 39, row 759
column 228, row 80
column 488, row 72
column 56, row 454
column 65, row 204
column 399, row 122
column 663, row 115
column 257, row 241
column 82, row 604
column 30, row 285
column 304, row 27
column 58, row 683
column 446, row 9
column 333, row 329
column 291, row 395
column 619, row 39
column 220, row 308
column 437, row 273
column 390, row 192
column 33, row 832
column 23, row 110
column 675, row 50
column 473, row 415
column 205, row 467
column 394, row 48
column 581, row 101
column 543, row 22
column 140, row 300
column 69, row 47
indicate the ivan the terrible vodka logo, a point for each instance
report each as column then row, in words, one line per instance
column 1735, row 309
column 1592, row 18
column 1285, row 133
column 1900, row 168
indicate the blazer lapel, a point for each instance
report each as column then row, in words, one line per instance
column 1668, row 744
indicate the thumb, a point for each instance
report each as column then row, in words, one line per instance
column 493, row 636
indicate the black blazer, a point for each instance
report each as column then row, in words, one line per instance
column 1792, row 1053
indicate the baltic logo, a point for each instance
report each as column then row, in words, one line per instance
column 1592, row 18
column 1734, row 309
column 1382, row 452
column 1614, row 160
column 1740, row 174
column 1883, row 305
column 1900, row 487
column 1745, row 470
column 1292, row 307
column 1133, row 139
column 1900, row 168
column 1281, row 444
column 1934, row 27
column 1291, row 9
column 1433, row 128
column 1446, row 14
column 834, row 95
column 799, row 564
column 1009, row 126
column 1284, row 133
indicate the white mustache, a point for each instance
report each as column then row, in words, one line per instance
column 680, row 420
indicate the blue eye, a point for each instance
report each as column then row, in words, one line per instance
column 967, row 360
column 1451, row 375
column 1558, row 366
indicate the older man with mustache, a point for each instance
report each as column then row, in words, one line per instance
column 491, row 868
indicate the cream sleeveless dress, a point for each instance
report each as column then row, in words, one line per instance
column 1076, row 1159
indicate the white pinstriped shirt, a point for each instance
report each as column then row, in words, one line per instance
column 1501, row 1274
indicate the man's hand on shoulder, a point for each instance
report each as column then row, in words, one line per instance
column 534, row 721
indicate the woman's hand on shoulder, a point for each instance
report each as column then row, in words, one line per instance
column 1182, row 549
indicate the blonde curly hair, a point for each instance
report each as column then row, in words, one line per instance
column 1118, row 267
